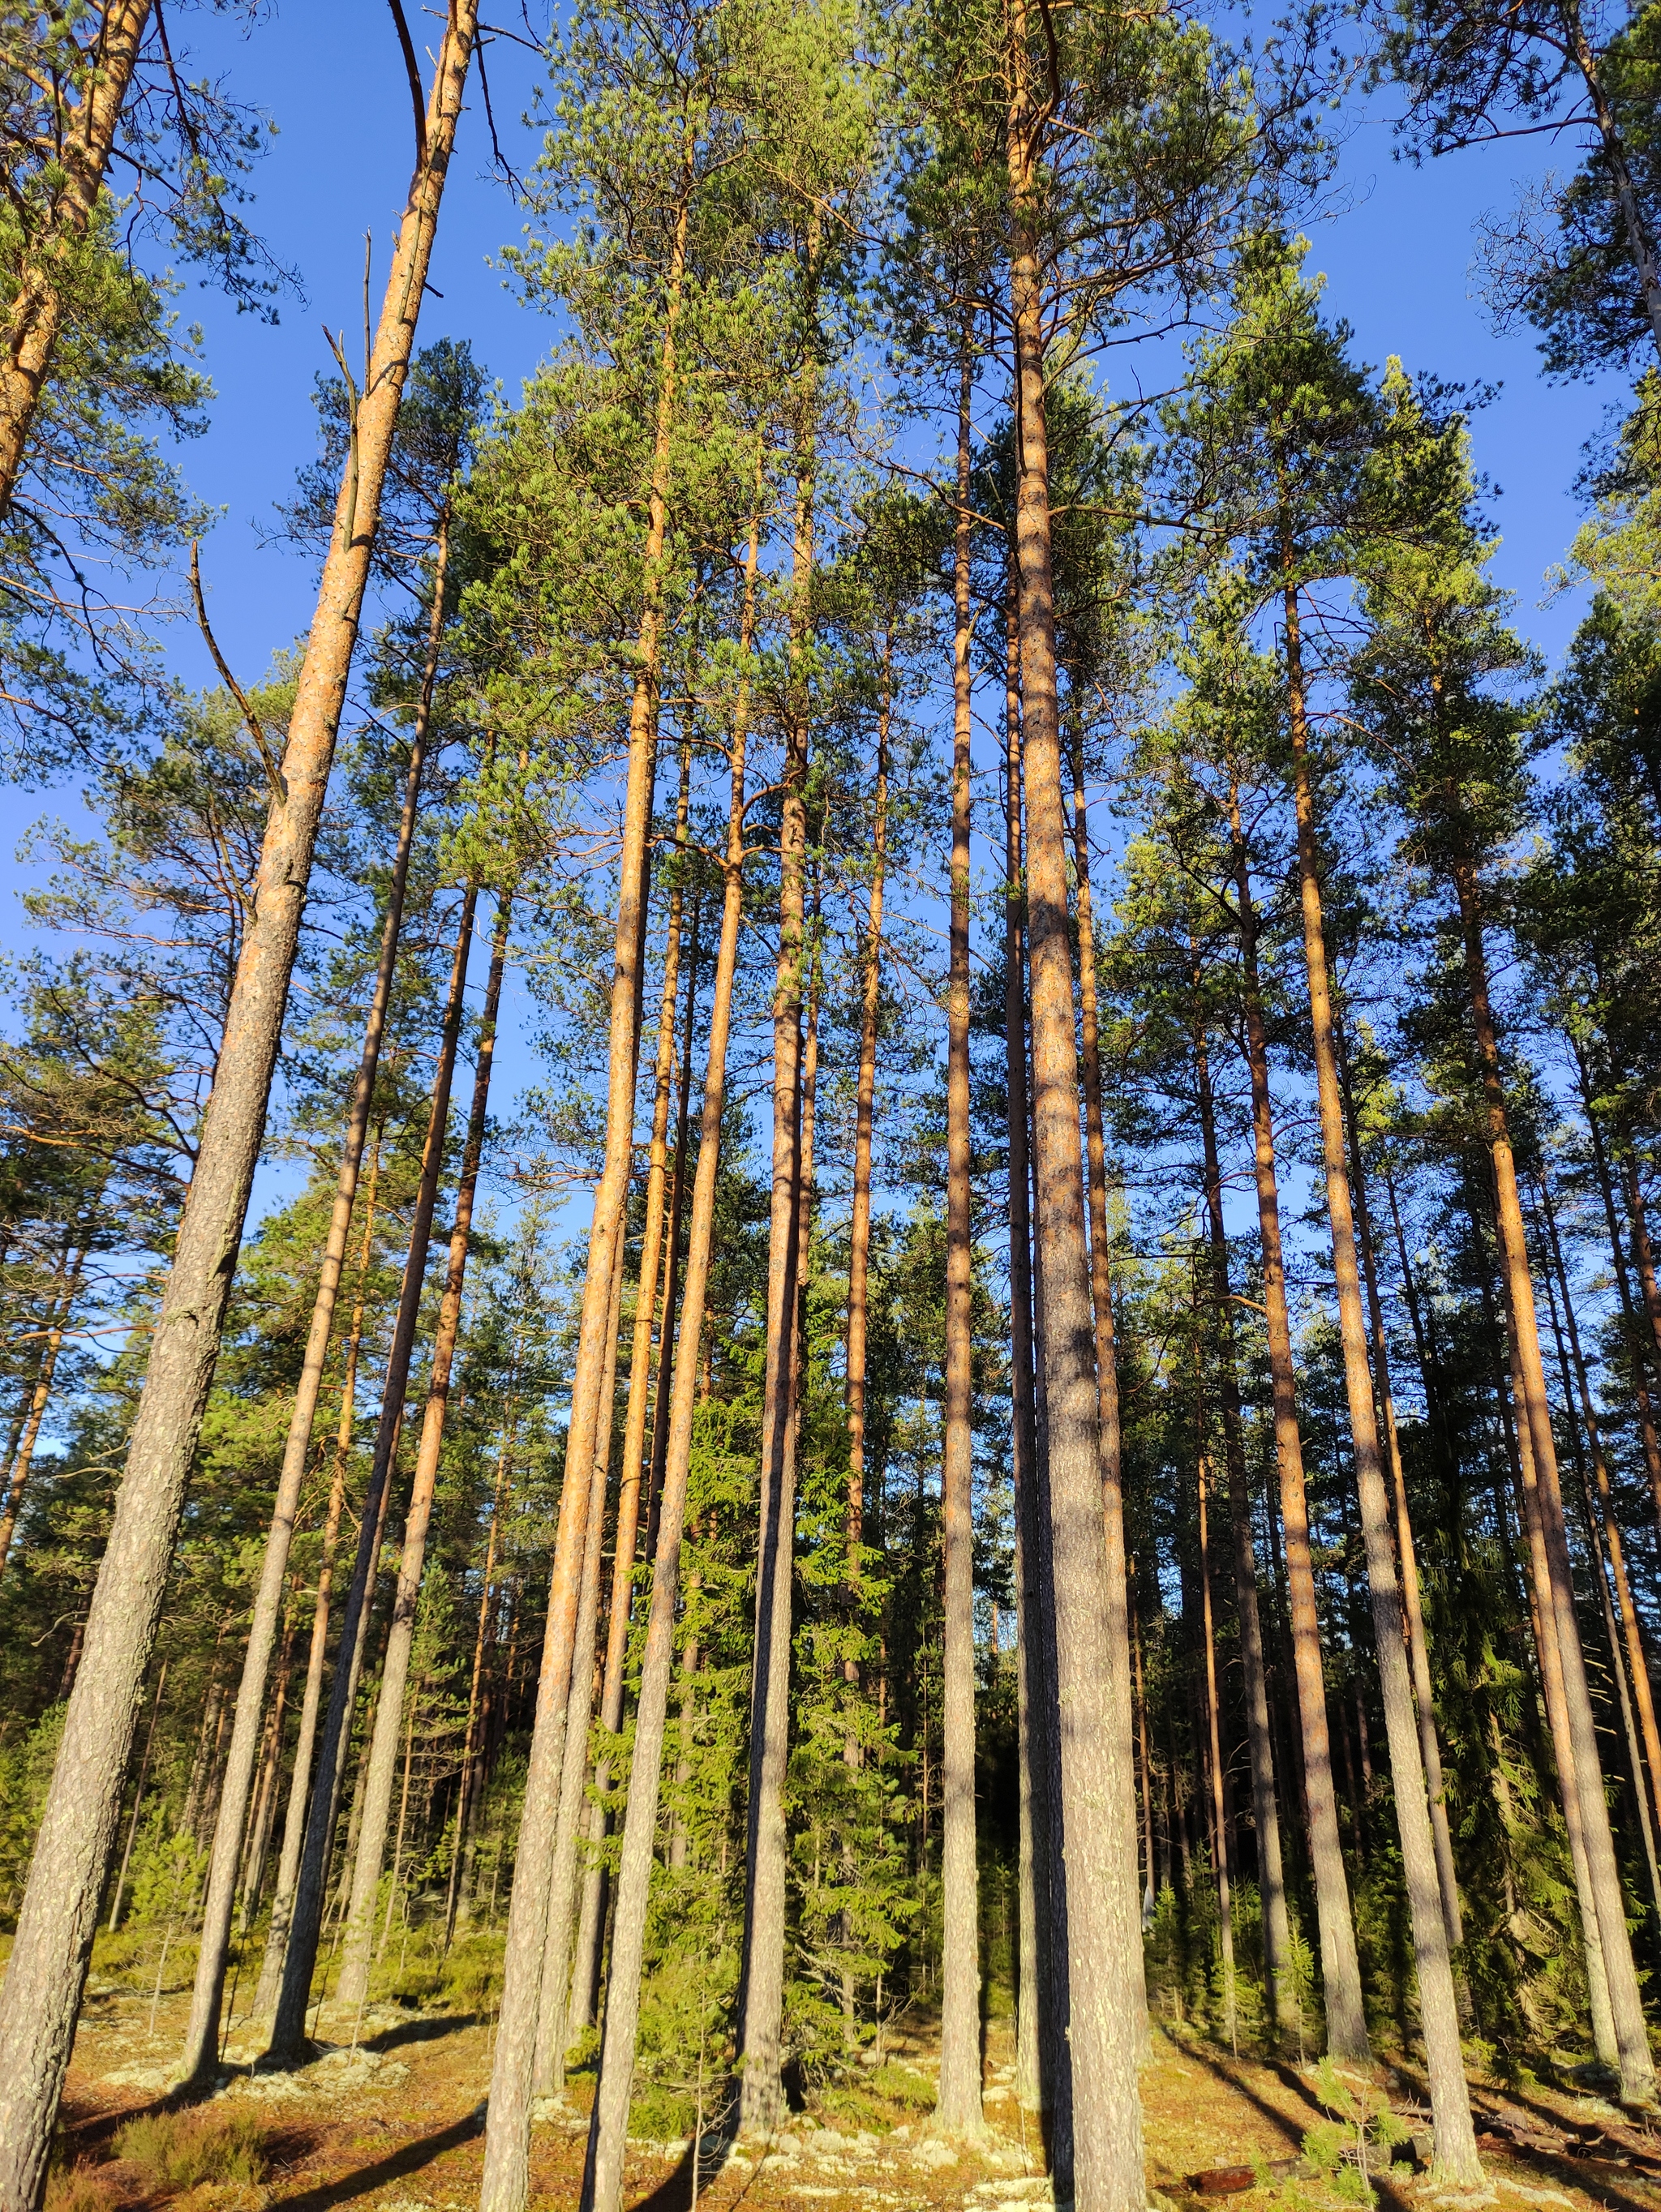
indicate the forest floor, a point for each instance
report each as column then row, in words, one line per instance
column 395, row 2125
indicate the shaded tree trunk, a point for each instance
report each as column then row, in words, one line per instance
column 39, row 1398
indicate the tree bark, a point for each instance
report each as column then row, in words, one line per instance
column 82, row 154
column 958, row 2107
column 353, row 1985
column 39, row 1398
column 306, row 1921
column 1093, row 1652
column 1036, row 2058
column 1636, row 2067
column 1455, row 2140
column 137, row 1802
column 1418, row 1646
column 1646, row 1423
column 202, row 2035
column 1271, row 1878
column 294, row 1819
column 1221, row 1853
column 48, row 1968
column 761, row 2006
column 1340, row 1973
column 471, row 1742
column 507, row 2129
column 602, row 2186
column 585, row 1979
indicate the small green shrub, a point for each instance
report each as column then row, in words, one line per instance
column 79, row 2189
column 176, row 2150
column 901, row 2087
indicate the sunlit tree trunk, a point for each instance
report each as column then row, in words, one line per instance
column 48, row 1963
column 306, row 1921
column 1626, row 2005
column 602, row 2189
column 1340, row 1973
column 957, row 2107
column 1648, row 1432
column 294, row 1819
column 202, row 2035
column 1456, row 2139
column 1093, row 1652
column 353, row 1986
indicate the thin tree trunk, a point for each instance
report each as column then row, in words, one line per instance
column 761, row 2006
column 1641, row 1252
column 1036, row 2056
column 1220, row 1820
column 1646, row 1423
column 507, row 2129
column 957, row 2107
column 294, row 1819
column 53, row 1943
column 1638, row 1662
column 263, row 1814
column 584, row 1978
column 548, row 2073
column 1418, row 1645
column 672, row 1258
column 202, row 2035
column 137, row 1802
column 46, row 281
column 1340, row 1973
column 353, row 1986
column 37, row 1404
column 602, row 2187
column 1271, row 1878
column 1636, row 2067
column 300, row 1954
column 470, row 1742
column 865, row 1093
column 1455, row 2140
column 1093, row 1651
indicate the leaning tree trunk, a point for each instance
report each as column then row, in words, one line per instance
column 1636, row 2067
column 507, row 2129
column 353, row 1986
column 45, row 282
column 294, row 1817
column 39, row 1398
column 957, row 2107
column 1456, row 2139
column 202, row 2035
column 1271, row 1878
column 1091, row 1701
column 608, row 2127
column 761, row 2008
column 53, row 1943
column 306, row 1922
column 1340, row 1973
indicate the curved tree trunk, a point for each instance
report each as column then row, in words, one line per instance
column 48, row 1963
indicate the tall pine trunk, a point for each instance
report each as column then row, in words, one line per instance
column 1646, row 1422
column 1456, row 2139
column 1340, row 1973
column 1092, row 1700
column 294, row 1817
column 305, row 1920
column 602, row 2187
column 858, row 1233
column 353, row 1986
column 507, row 2129
column 1271, row 1878
column 1637, row 2083
column 202, row 2035
column 53, row 1943
column 957, row 2107
column 761, row 2008
column 39, row 1398
column 1221, row 1855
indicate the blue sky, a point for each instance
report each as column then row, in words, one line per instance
column 1397, row 256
